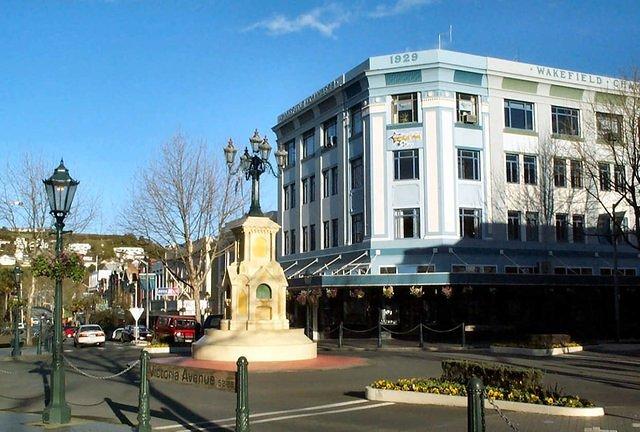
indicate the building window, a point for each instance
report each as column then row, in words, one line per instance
column 325, row 184
column 518, row 115
column 357, row 228
column 470, row 223
column 467, row 111
column 428, row 268
column 330, row 133
column 312, row 188
column 293, row 241
column 576, row 174
column 405, row 108
column 532, row 226
column 334, row 181
column 305, row 239
column 334, row 232
column 605, row 176
column 287, row 198
column 357, row 173
column 287, row 243
column 578, row 228
column 292, row 192
column 619, row 179
column 521, row 269
column 559, row 172
column 513, row 225
column 309, row 144
column 468, row 164
column 388, row 270
column 513, row 164
column 407, row 223
column 305, row 190
column 355, row 120
column 609, row 126
column 312, row 237
column 290, row 147
column 562, row 228
column 565, row 121
column 405, row 164
column 325, row 235
column 530, row 169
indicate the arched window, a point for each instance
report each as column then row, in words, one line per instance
column 263, row 292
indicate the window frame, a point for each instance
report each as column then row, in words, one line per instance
column 604, row 131
column 355, row 121
column 327, row 126
column 461, row 113
column 357, row 172
column 508, row 116
column 357, row 220
column 559, row 172
column 527, row 171
column 400, row 98
column 309, row 140
column 514, row 225
column 512, row 168
column 402, row 155
column 604, row 176
column 577, row 173
column 473, row 156
column 476, row 215
column 400, row 215
column 559, row 124
column 335, row 232
column 325, row 235
column 578, row 234
column 562, row 227
column 532, row 231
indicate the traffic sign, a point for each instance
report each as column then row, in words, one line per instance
column 136, row 312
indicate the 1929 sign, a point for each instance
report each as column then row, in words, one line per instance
column 218, row 379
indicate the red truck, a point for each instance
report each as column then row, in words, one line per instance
column 175, row 328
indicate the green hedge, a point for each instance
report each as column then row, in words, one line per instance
column 492, row 374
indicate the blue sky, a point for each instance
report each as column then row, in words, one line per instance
column 105, row 83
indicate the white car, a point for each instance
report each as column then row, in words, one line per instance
column 89, row 334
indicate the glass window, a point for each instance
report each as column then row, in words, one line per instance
column 405, row 108
column 334, row 181
column 470, row 223
column 407, row 223
column 357, row 173
column 334, row 232
column 305, row 239
column 609, row 126
column 406, row 164
column 619, row 179
column 532, row 226
column 287, row 197
column 428, row 268
column 287, row 243
column 388, row 270
column 293, row 241
column 513, row 225
column 325, row 184
column 355, row 120
column 559, row 172
column 292, row 192
column 576, row 174
column 513, row 163
column 330, row 133
column 290, row 147
column 325, row 235
column 312, row 237
column 562, row 228
column 309, row 144
column 305, row 191
column 467, row 108
column 468, row 164
column 530, row 169
column 605, row 176
column 357, row 228
column 312, row 188
column 565, row 121
column 518, row 115
column 578, row 228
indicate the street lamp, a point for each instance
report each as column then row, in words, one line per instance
column 253, row 164
column 17, row 278
column 61, row 189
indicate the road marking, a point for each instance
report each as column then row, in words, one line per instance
column 635, row 425
column 269, row 413
column 597, row 429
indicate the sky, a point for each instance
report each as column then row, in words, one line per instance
column 104, row 83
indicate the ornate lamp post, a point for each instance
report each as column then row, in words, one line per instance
column 61, row 189
column 17, row 278
column 253, row 164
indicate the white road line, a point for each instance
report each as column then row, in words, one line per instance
column 311, row 408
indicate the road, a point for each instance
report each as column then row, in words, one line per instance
column 323, row 400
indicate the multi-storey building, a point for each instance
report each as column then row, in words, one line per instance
column 461, row 176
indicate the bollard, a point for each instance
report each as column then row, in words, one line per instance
column 144, row 418
column 379, row 335
column 463, row 342
column 421, row 337
column 242, row 396
column 475, row 405
column 39, row 346
column 340, row 335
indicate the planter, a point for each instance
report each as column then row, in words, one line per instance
column 461, row 401
column 535, row 352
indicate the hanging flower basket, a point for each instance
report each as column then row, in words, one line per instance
column 67, row 266
column 387, row 291
column 356, row 293
column 416, row 291
column 332, row 292
column 447, row 291
column 313, row 295
column 302, row 297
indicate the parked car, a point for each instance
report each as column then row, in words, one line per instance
column 69, row 331
column 128, row 333
column 117, row 334
column 89, row 334
column 212, row 322
column 176, row 328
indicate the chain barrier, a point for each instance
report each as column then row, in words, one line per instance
column 88, row 375
column 401, row 332
column 499, row 411
column 360, row 331
column 442, row 331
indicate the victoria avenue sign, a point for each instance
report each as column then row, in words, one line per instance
column 217, row 379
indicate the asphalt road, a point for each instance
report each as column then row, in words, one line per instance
column 322, row 400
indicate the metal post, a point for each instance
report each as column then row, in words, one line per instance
column 421, row 336
column 16, row 351
column 475, row 405
column 39, row 346
column 340, row 330
column 242, row 396
column 463, row 341
column 144, row 417
column 57, row 412
column 379, row 334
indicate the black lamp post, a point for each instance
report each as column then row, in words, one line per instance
column 253, row 164
column 61, row 189
column 17, row 278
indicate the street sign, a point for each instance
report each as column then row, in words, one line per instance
column 136, row 312
column 147, row 281
column 162, row 291
column 216, row 379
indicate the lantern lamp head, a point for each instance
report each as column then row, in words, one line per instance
column 61, row 189
column 265, row 149
column 255, row 141
column 230, row 152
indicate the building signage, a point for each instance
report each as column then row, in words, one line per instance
column 210, row 378
column 584, row 78
column 315, row 96
column 402, row 139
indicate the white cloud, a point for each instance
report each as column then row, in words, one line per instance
column 324, row 20
column 397, row 8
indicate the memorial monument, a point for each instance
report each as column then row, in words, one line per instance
column 257, row 326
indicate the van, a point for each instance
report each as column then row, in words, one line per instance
column 175, row 328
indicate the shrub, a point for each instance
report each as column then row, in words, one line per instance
column 492, row 374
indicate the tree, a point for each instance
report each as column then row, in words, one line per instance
column 181, row 200
column 6, row 287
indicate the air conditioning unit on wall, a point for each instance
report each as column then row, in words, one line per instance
column 469, row 118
